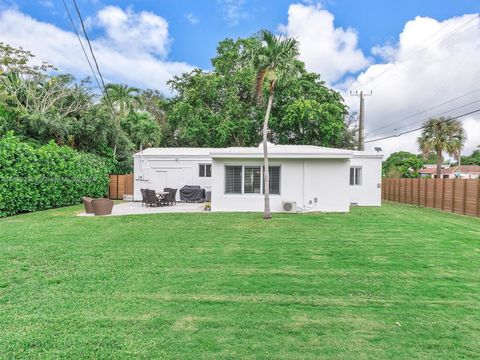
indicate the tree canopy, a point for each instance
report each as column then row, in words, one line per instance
column 402, row 164
column 473, row 159
column 214, row 108
column 441, row 135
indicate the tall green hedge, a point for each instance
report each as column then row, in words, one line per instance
column 38, row 178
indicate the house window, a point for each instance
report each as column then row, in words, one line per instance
column 252, row 177
column 355, row 176
column 205, row 170
column 233, row 179
column 274, row 180
column 444, row 176
column 252, row 180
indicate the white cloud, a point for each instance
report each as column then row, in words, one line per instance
column 326, row 49
column 131, row 31
column 133, row 48
column 192, row 19
column 46, row 3
column 233, row 11
column 432, row 62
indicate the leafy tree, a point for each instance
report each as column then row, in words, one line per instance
column 402, row 164
column 218, row 108
column 441, row 135
column 123, row 98
column 274, row 61
column 153, row 102
column 473, row 159
column 142, row 130
column 18, row 61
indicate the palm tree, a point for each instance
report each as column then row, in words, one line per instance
column 123, row 99
column 274, row 61
column 442, row 135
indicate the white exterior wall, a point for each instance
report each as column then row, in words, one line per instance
column 158, row 172
column 301, row 181
column 369, row 193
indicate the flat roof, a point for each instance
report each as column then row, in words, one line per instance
column 283, row 151
column 274, row 151
column 175, row 151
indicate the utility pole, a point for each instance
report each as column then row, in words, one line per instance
column 361, row 117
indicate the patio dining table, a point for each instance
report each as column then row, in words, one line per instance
column 161, row 194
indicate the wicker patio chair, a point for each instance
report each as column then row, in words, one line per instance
column 87, row 202
column 102, row 206
column 151, row 198
column 171, row 198
column 144, row 196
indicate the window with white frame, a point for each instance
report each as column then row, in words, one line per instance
column 205, row 170
column 233, row 179
column 252, row 179
column 246, row 179
column 355, row 176
column 274, row 179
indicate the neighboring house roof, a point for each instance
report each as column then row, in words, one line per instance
column 434, row 166
column 274, row 151
column 464, row 169
column 428, row 171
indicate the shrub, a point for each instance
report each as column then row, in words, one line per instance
column 38, row 178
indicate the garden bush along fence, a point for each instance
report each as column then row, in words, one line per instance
column 461, row 196
column 43, row 177
column 120, row 185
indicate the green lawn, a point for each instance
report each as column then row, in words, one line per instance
column 395, row 282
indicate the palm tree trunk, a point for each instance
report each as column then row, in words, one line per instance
column 266, row 174
column 439, row 163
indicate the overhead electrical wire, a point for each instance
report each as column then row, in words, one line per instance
column 105, row 92
column 424, row 111
column 83, row 48
column 421, row 127
column 435, row 116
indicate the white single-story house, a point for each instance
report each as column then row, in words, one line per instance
column 302, row 177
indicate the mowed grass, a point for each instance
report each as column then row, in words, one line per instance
column 395, row 282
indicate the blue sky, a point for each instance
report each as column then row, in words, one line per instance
column 376, row 21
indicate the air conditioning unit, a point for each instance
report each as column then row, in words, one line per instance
column 289, row 206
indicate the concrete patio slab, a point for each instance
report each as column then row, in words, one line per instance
column 136, row 208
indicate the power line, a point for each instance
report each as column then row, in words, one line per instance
column 426, row 110
column 89, row 44
column 421, row 127
column 107, row 97
column 83, row 48
column 434, row 116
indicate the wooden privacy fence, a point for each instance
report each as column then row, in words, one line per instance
column 461, row 196
column 120, row 185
